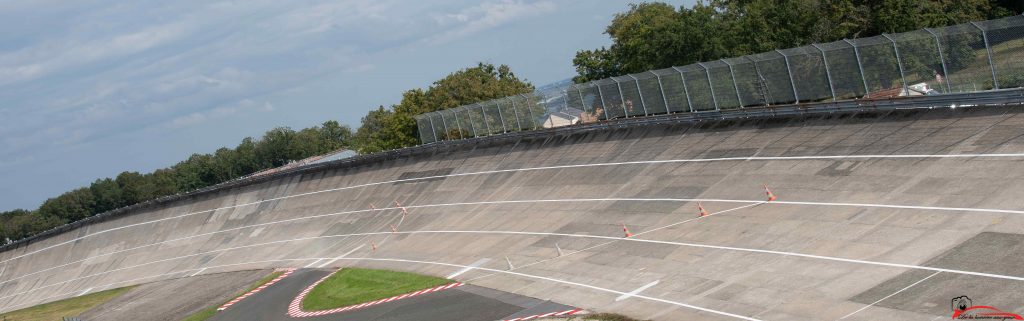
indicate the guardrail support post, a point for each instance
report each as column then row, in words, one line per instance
column 501, row 118
column 484, row 113
column 600, row 94
column 899, row 63
column 469, row 118
column 457, row 125
column 622, row 98
column 860, row 66
column 711, row 86
column 789, row 70
column 515, row 111
column 734, row 85
column 685, row 90
column 640, row 93
column 444, row 123
column 828, row 73
column 533, row 119
column 432, row 131
column 663, row 97
column 942, row 59
column 988, row 49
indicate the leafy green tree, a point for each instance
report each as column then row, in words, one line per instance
column 391, row 128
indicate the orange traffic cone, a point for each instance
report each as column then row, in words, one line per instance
column 771, row 197
column 626, row 230
column 393, row 229
column 703, row 212
column 397, row 204
column 373, row 246
column 373, row 207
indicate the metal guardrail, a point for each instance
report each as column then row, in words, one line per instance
column 970, row 57
column 1000, row 97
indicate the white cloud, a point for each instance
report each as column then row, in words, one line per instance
column 485, row 16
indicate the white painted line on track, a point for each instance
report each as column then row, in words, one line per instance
column 84, row 292
column 468, row 268
column 587, row 200
column 542, row 278
column 311, row 263
column 649, row 162
column 637, row 291
column 197, row 272
column 632, row 239
column 341, row 256
column 889, row 296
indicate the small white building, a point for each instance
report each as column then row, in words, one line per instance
column 570, row 116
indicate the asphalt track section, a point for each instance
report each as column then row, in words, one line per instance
column 467, row 302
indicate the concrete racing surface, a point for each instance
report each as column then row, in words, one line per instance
column 880, row 215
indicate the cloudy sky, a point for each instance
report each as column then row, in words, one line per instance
column 91, row 88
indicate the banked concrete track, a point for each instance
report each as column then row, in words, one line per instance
column 883, row 215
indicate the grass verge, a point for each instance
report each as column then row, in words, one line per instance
column 209, row 312
column 354, row 286
column 64, row 308
column 601, row 317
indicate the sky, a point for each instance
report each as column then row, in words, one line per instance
column 92, row 88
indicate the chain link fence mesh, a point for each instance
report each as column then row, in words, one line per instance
column 961, row 58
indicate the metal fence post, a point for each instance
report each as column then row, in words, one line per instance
column 583, row 104
column 707, row 72
column 444, row 123
column 856, row 52
column 533, row 119
column 432, row 131
column 734, row 85
column 988, row 49
column 501, row 117
column 457, row 125
column 663, row 97
column 685, row 90
column 942, row 59
column 469, row 115
column 515, row 111
column 789, row 70
column 640, row 93
column 484, row 113
column 828, row 73
column 622, row 101
column 565, row 100
column 604, row 106
column 765, row 95
column 899, row 63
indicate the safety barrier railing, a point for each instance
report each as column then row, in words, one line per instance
column 970, row 57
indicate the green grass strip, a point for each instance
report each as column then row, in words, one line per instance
column 354, row 286
column 64, row 308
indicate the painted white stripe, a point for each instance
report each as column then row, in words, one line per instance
column 631, row 239
column 889, row 296
column 931, row 208
column 698, row 160
column 84, row 292
column 341, row 256
column 637, row 291
column 468, row 268
column 197, row 272
column 311, row 263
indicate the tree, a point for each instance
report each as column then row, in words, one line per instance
column 394, row 127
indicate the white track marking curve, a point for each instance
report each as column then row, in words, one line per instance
column 707, row 200
column 633, row 239
column 695, row 160
column 530, row 276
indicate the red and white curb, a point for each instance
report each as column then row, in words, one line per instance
column 295, row 308
column 549, row 314
column 257, row 289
